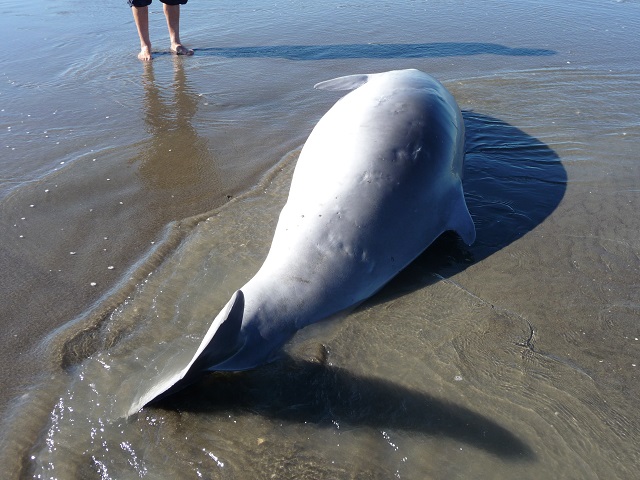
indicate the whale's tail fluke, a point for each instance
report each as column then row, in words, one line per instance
column 219, row 344
column 221, row 341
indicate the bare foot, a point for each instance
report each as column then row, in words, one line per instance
column 180, row 49
column 145, row 54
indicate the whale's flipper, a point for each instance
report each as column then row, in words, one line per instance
column 350, row 82
column 219, row 343
column 460, row 220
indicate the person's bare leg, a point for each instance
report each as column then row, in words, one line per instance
column 172, row 12
column 141, row 17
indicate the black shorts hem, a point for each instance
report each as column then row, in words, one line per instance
column 146, row 3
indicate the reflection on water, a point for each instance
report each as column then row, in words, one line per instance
column 176, row 155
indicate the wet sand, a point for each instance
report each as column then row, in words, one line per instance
column 134, row 199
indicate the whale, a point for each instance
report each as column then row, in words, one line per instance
column 377, row 181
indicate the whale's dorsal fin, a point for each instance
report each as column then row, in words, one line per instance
column 350, row 82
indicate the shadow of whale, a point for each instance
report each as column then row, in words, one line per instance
column 372, row 50
column 300, row 391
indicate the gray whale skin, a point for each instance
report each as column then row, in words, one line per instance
column 378, row 180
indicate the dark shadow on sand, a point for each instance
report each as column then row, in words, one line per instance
column 372, row 50
column 309, row 392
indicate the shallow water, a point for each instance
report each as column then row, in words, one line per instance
column 135, row 199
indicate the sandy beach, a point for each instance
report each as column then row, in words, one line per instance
column 135, row 198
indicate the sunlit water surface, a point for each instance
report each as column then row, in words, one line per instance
column 135, row 199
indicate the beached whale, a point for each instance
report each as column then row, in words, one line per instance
column 378, row 180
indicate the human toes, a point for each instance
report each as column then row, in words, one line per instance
column 182, row 50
